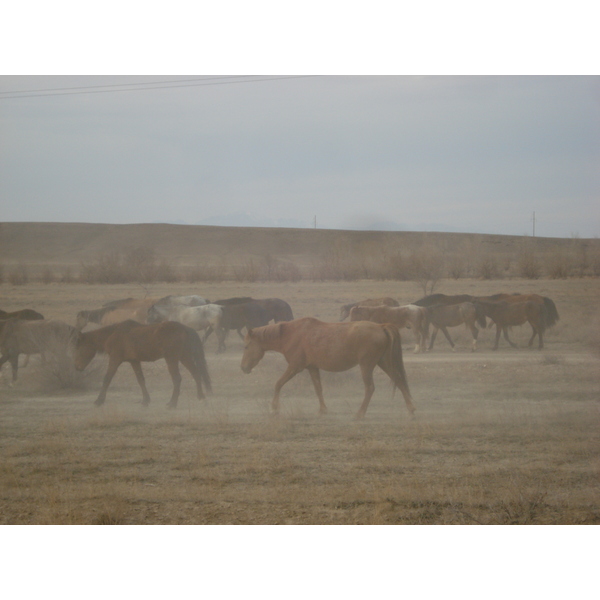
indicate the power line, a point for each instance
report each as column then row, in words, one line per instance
column 155, row 85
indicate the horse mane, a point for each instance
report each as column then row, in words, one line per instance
column 268, row 333
column 240, row 300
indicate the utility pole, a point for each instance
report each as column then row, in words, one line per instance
column 533, row 219
column 315, row 221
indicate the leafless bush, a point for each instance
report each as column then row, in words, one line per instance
column 487, row 267
column 456, row 266
column 135, row 265
column 48, row 275
column 1, row 273
column 426, row 267
column 67, row 276
column 529, row 266
column 19, row 275
column 247, row 271
column 559, row 266
column 206, row 273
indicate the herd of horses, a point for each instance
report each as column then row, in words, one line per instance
column 135, row 331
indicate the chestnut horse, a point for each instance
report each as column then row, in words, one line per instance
column 310, row 344
column 346, row 308
column 131, row 342
column 507, row 314
column 411, row 316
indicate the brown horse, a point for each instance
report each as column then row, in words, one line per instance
column 311, row 344
column 134, row 343
column 346, row 308
column 452, row 315
column 507, row 314
column 551, row 312
column 411, row 316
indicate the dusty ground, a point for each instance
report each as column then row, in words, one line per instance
column 499, row 437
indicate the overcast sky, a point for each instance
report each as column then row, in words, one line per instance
column 468, row 154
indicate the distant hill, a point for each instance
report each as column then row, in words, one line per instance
column 75, row 243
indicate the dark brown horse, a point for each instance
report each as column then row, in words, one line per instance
column 237, row 315
column 346, row 308
column 443, row 299
column 311, row 344
column 451, row 315
column 131, row 342
column 25, row 314
column 508, row 314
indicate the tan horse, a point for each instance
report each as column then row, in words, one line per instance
column 134, row 343
column 346, row 308
column 442, row 316
column 411, row 316
column 116, row 312
column 311, row 344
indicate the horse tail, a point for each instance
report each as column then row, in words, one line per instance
column 197, row 351
column 551, row 312
column 393, row 356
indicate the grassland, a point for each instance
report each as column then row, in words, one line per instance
column 506, row 437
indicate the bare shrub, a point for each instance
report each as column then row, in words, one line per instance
column 18, row 275
column 48, row 275
column 135, row 265
column 67, row 276
column 247, row 271
column 426, row 267
column 1, row 273
column 286, row 271
column 529, row 266
column 456, row 266
column 487, row 268
column 559, row 266
column 206, row 273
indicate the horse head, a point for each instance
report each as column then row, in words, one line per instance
column 253, row 351
column 84, row 351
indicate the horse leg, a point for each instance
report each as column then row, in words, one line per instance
column 191, row 366
column 505, row 330
column 290, row 372
column 367, row 375
column 207, row 332
column 445, row 332
column 113, row 365
column 498, row 332
column 418, row 341
column 316, row 379
column 220, row 333
column 475, row 334
column 139, row 374
column 435, row 330
column 400, row 382
column 173, row 366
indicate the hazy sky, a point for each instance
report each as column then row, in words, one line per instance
column 469, row 154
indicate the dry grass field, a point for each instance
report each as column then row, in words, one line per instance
column 506, row 437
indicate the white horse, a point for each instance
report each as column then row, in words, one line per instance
column 182, row 301
column 199, row 318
